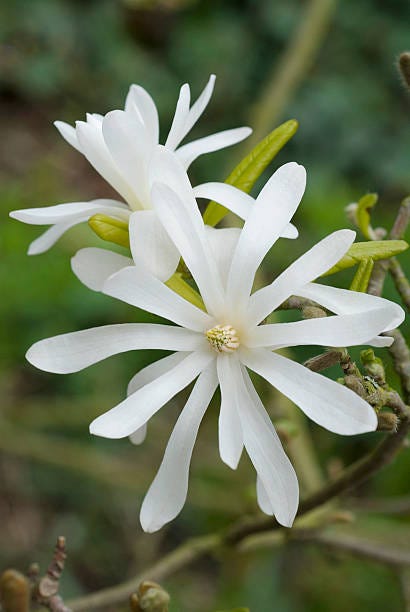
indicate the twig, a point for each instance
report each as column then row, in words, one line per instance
column 400, row 280
column 293, row 67
column 46, row 591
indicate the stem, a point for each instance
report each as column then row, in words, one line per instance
column 293, row 66
column 184, row 555
column 400, row 281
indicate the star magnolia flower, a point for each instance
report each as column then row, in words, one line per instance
column 120, row 146
column 218, row 345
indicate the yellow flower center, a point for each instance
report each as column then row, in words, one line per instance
column 223, row 338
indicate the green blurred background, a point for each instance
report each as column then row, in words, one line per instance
column 61, row 58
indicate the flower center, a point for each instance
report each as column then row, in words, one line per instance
column 223, row 338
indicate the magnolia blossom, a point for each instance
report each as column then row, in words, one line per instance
column 120, row 146
column 219, row 344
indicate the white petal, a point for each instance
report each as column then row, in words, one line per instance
column 93, row 146
column 93, row 266
column 68, row 132
column 130, row 147
column 229, row 424
column 236, row 200
column 139, row 407
column 189, row 152
column 75, row 351
column 70, row 211
column 306, row 268
column 290, row 231
column 50, row 236
column 139, row 435
column 139, row 101
column 344, row 301
column 337, row 330
column 263, row 227
column 151, row 245
column 189, row 237
column 167, row 494
column 278, row 491
column 146, row 376
column 136, row 286
column 222, row 243
column 326, row 402
column 176, row 133
column 199, row 105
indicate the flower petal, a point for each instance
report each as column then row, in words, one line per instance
column 68, row 132
column 189, row 237
column 167, row 493
column 139, row 407
column 75, row 351
column 139, row 102
column 262, row 228
column 130, row 147
column 229, row 424
column 189, row 152
column 136, row 286
column 199, row 105
column 48, row 238
column 306, row 268
column 146, row 376
column 93, row 266
column 46, row 215
column 344, row 301
column 176, row 133
column 326, row 402
column 236, row 200
column 222, row 242
column 278, row 490
column 338, row 330
column 151, row 245
column 90, row 138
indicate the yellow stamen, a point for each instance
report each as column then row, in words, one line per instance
column 223, row 338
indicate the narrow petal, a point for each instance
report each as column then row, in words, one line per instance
column 138, row 408
column 46, row 215
column 343, row 301
column 176, row 133
column 199, row 105
column 75, row 351
column 68, row 132
column 151, row 245
column 337, row 330
column 222, row 243
column 130, row 147
column 90, row 138
column 48, row 238
column 236, row 200
column 136, row 286
column 146, row 376
column 139, row 102
column 229, row 424
column 306, row 268
column 93, row 266
column 263, row 227
column 326, row 402
column 189, row 152
column 290, row 231
column 190, row 239
column 167, row 493
column 277, row 484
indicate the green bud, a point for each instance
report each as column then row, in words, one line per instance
column 361, row 279
column 247, row 172
column 375, row 249
column 110, row 229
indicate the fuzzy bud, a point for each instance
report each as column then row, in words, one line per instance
column 14, row 592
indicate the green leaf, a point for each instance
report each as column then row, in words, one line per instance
column 235, row 610
column 112, row 230
column 251, row 167
column 375, row 249
column 364, row 205
column 361, row 279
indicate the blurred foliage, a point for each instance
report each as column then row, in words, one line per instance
column 61, row 58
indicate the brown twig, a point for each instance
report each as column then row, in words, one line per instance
column 46, row 591
column 400, row 280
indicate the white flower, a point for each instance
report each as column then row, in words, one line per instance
column 120, row 146
column 218, row 346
